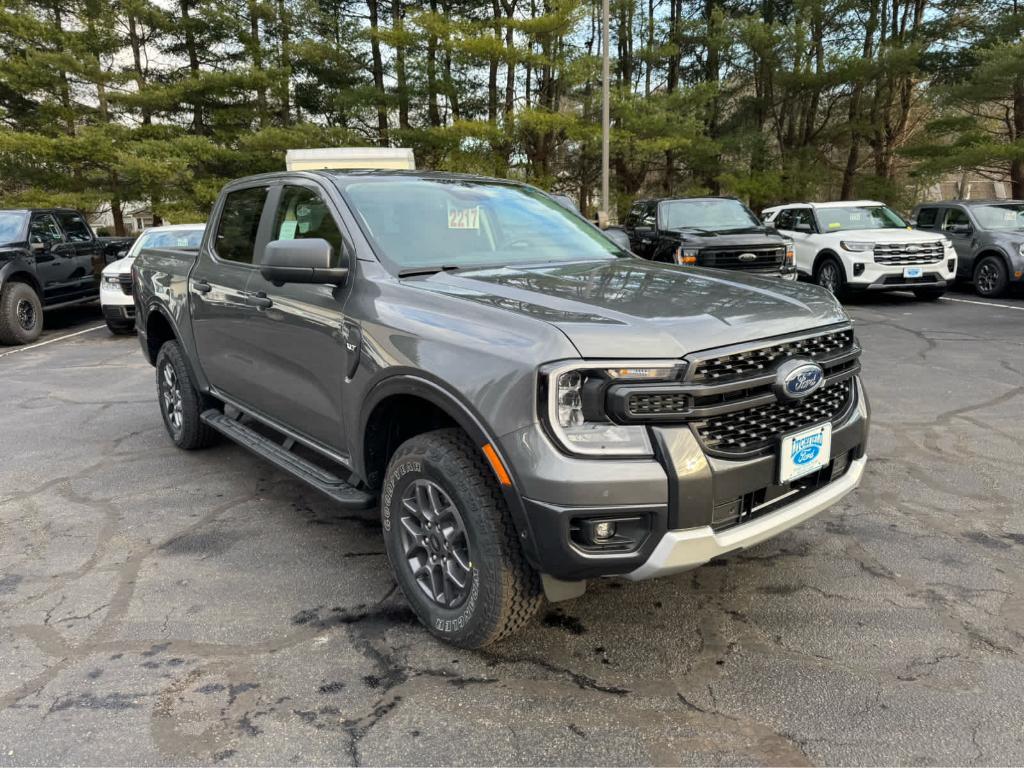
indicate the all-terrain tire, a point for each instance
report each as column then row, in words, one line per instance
column 503, row 592
column 21, row 314
column 180, row 401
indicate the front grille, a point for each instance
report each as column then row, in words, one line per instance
column 753, row 362
column 126, row 284
column 754, row 429
column 740, row 258
column 909, row 254
column 644, row 404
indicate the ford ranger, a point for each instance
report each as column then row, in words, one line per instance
column 528, row 405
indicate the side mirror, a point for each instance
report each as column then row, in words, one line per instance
column 38, row 247
column 619, row 237
column 960, row 229
column 802, row 226
column 301, row 261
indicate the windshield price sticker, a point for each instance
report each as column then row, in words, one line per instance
column 464, row 218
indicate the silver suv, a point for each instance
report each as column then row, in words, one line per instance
column 988, row 236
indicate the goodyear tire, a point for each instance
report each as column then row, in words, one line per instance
column 451, row 543
column 21, row 314
column 180, row 402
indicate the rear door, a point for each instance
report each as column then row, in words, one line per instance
column 300, row 334
column 55, row 261
column 220, row 311
column 84, row 249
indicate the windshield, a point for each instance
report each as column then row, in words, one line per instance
column 717, row 215
column 454, row 223
column 843, row 218
column 168, row 238
column 1003, row 216
column 11, row 226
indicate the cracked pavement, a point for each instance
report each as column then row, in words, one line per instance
column 166, row 608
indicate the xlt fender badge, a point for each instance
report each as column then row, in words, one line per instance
column 353, row 337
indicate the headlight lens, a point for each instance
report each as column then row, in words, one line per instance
column 790, row 253
column 856, row 246
column 575, row 408
column 112, row 279
column 686, row 256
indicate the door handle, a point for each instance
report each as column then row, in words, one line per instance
column 202, row 286
column 261, row 300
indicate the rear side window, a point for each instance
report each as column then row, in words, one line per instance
column 239, row 223
column 926, row 218
column 302, row 214
column 75, row 227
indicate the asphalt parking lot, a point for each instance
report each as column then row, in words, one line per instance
column 159, row 607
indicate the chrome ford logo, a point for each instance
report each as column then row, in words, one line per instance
column 798, row 378
column 748, row 257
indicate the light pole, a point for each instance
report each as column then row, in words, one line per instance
column 605, row 112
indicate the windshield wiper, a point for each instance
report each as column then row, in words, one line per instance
column 433, row 269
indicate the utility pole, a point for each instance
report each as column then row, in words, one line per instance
column 603, row 216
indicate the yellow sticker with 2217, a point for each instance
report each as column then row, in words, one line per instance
column 464, row 218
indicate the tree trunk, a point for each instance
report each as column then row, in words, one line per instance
column 198, row 121
column 1017, row 164
column 398, row 25
column 854, row 113
column 284, row 25
column 378, row 73
column 433, row 112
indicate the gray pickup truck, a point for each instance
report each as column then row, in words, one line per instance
column 529, row 405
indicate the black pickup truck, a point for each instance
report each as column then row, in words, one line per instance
column 49, row 258
column 719, row 232
column 529, row 405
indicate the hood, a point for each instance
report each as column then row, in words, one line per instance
column 632, row 308
column 888, row 235
column 120, row 267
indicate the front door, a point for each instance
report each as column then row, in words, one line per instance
column 958, row 228
column 55, row 261
column 302, row 357
column 221, row 313
column 85, row 250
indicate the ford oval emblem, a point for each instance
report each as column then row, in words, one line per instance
column 798, row 378
column 748, row 257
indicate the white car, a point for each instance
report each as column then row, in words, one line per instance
column 864, row 245
column 116, row 286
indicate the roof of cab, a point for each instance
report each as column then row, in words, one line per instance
column 830, row 204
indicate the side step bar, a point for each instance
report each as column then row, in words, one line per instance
column 324, row 481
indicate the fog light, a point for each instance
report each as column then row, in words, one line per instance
column 858, row 270
column 603, row 531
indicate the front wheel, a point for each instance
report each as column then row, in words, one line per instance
column 990, row 277
column 21, row 314
column 451, row 542
column 180, row 402
column 929, row 294
column 829, row 275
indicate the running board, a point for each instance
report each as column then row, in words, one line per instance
column 278, row 455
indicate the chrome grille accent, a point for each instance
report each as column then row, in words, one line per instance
column 753, row 362
column 909, row 253
column 755, row 429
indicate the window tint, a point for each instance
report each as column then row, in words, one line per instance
column 792, row 217
column 649, row 215
column 303, row 215
column 239, row 222
column 44, row 229
column 784, row 219
column 75, row 228
column 634, row 215
column 926, row 217
column 957, row 218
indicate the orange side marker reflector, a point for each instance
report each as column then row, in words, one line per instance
column 496, row 465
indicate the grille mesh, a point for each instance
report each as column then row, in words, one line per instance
column 753, row 429
column 643, row 404
column 765, row 258
column 909, row 253
column 756, row 361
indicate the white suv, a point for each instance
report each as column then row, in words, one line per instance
column 863, row 244
column 116, row 286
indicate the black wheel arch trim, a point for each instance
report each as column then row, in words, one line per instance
column 18, row 268
column 194, row 370
column 995, row 252
column 421, row 384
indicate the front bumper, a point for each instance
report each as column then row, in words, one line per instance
column 693, row 506
column 863, row 273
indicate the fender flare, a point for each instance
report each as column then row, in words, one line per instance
column 19, row 266
column 998, row 252
column 826, row 253
column 430, row 388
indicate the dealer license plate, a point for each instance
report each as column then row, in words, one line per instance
column 804, row 452
column 912, row 271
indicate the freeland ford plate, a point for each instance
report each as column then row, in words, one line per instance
column 804, row 452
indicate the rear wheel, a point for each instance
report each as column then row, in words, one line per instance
column 180, row 402
column 829, row 275
column 451, row 543
column 21, row 314
column 929, row 294
column 990, row 277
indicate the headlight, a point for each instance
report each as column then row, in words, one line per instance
column 684, row 255
column 112, row 279
column 1020, row 250
column 573, row 398
column 856, row 246
column 946, row 242
column 790, row 259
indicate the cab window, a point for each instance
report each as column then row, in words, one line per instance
column 956, row 221
column 239, row 224
column 44, row 229
column 926, row 218
column 75, row 227
column 302, row 214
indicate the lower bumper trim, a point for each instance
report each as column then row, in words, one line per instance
column 684, row 549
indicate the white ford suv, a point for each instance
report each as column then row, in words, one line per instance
column 863, row 244
column 116, row 287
